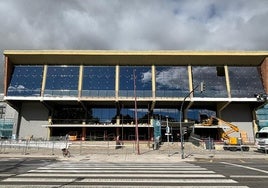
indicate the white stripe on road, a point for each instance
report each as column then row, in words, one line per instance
column 116, row 186
column 65, row 180
column 124, row 171
column 124, row 175
column 133, row 180
column 120, row 168
column 248, row 176
column 115, row 180
column 7, row 175
column 247, row 167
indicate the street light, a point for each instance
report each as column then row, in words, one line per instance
column 202, row 88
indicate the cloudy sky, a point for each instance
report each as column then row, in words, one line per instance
column 134, row 25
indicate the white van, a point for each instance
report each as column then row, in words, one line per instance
column 262, row 140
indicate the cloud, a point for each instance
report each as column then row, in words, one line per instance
column 134, row 25
column 172, row 78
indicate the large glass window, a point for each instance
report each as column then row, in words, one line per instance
column 127, row 116
column 164, row 113
column 143, row 81
column 62, row 81
column 245, row 81
column 214, row 79
column 98, row 81
column 103, row 115
column 26, row 81
column 171, row 81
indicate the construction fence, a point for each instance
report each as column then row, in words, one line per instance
column 54, row 148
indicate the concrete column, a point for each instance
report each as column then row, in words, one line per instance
column 80, row 80
column 44, row 81
column 117, row 80
column 190, row 79
column 228, row 87
column 7, row 75
column 264, row 74
column 153, row 81
column 84, row 133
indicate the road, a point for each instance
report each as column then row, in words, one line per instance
column 38, row 172
column 250, row 172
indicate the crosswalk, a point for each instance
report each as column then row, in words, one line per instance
column 89, row 174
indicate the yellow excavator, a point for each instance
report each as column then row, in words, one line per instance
column 231, row 143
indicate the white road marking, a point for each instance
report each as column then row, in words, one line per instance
column 247, row 167
column 124, row 175
column 119, row 180
column 119, row 171
column 66, row 180
column 116, row 186
column 7, row 175
column 133, row 180
column 248, row 176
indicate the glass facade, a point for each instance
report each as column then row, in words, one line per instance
column 104, row 115
column 98, row 81
column 91, row 99
column 214, row 79
column 162, row 114
column 127, row 116
column 262, row 116
column 6, row 127
column 62, row 81
column 245, row 81
column 143, row 81
column 25, row 81
column 171, row 81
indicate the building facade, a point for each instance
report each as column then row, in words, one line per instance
column 8, row 118
column 99, row 95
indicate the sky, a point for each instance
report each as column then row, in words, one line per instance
column 198, row 25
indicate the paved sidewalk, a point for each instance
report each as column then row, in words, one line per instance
column 148, row 156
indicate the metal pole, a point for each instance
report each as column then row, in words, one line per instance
column 181, row 132
column 181, row 135
column 136, row 115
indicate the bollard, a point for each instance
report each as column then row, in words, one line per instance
column 53, row 142
column 80, row 149
column 108, row 152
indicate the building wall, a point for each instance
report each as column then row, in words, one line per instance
column 241, row 116
column 34, row 115
column 264, row 72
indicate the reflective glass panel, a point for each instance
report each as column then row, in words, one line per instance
column 143, row 81
column 103, row 115
column 171, row 81
column 245, row 81
column 214, row 81
column 62, row 81
column 99, row 81
column 26, row 81
column 127, row 116
column 162, row 114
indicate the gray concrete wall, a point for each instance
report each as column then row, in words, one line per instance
column 34, row 115
column 241, row 116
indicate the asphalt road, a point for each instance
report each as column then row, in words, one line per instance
column 250, row 172
column 42, row 172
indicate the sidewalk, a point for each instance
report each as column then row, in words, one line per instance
column 146, row 156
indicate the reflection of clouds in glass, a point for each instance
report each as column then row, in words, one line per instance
column 146, row 77
column 17, row 88
column 172, row 78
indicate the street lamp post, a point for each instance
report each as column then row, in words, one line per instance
column 181, row 131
